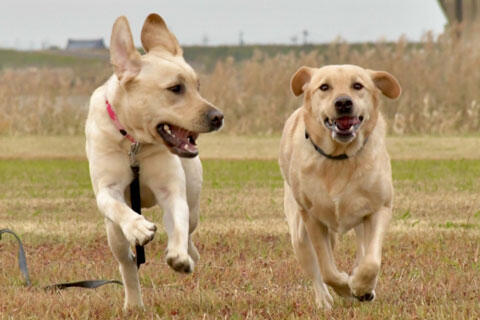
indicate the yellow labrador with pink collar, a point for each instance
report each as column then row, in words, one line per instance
column 152, row 100
column 337, row 175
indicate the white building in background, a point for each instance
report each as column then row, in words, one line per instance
column 82, row 44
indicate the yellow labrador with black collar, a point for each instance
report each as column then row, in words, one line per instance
column 154, row 101
column 337, row 175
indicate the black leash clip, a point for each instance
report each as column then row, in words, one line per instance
column 132, row 154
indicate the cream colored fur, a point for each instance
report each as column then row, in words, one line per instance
column 325, row 197
column 138, row 92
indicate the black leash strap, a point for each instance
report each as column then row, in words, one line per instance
column 22, row 262
column 89, row 284
column 137, row 207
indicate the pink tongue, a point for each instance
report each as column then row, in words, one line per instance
column 344, row 123
column 180, row 133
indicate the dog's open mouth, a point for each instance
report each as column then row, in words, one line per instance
column 180, row 141
column 344, row 128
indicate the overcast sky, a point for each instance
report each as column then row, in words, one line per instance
column 26, row 24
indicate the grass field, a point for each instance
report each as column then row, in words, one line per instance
column 46, row 59
column 231, row 147
column 431, row 265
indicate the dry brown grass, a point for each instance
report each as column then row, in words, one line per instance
column 431, row 258
column 440, row 79
column 247, row 270
column 234, row 147
column 45, row 101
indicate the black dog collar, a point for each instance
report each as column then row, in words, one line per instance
column 342, row 156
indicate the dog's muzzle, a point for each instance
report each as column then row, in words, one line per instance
column 344, row 128
column 214, row 119
column 180, row 141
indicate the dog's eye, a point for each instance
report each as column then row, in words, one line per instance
column 357, row 86
column 324, row 87
column 177, row 89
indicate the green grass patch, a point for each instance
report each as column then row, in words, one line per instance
column 240, row 174
column 70, row 178
column 45, row 59
column 44, row 178
column 435, row 175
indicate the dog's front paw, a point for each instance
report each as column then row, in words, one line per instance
column 139, row 231
column 180, row 262
column 366, row 297
column 133, row 306
column 193, row 252
column 323, row 299
column 363, row 281
column 341, row 285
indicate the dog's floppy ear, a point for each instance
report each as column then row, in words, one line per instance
column 300, row 79
column 386, row 83
column 123, row 54
column 156, row 34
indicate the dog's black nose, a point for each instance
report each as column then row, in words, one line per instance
column 343, row 104
column 215, row 119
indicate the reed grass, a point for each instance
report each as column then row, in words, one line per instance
column 440, row 79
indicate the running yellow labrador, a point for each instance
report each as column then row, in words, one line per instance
column 151, row 101
column 337, row 175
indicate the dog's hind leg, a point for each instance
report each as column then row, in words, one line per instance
column 304, row 252
column 120, row 247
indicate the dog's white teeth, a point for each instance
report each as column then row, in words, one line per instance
column 166, row 128
column 351, row 129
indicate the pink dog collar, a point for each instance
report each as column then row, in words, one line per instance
column 117, row 123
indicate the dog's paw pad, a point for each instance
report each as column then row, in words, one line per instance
column 366, row 297
column 180, row 264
